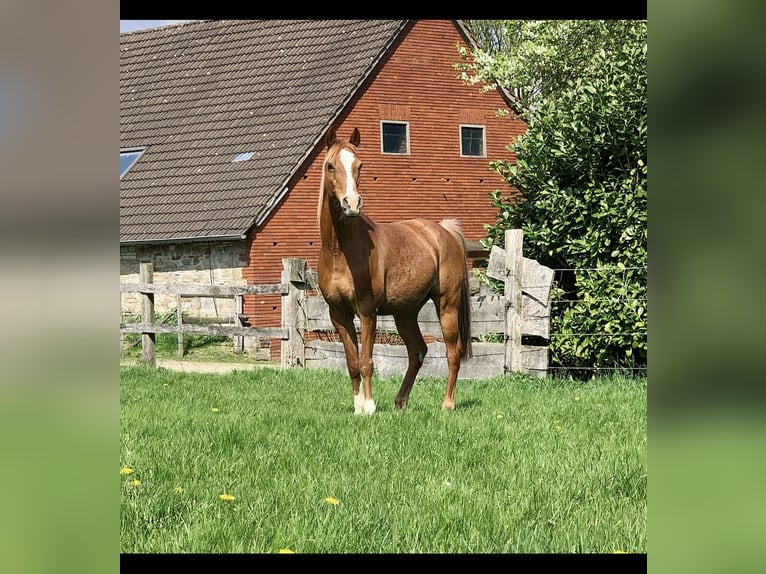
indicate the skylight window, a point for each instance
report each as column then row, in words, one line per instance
column 244, row 156
column 128, row 157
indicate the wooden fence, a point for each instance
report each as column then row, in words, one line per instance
column 523, row 311
column 149, row 328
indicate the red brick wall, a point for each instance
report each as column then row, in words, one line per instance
column 417, row 84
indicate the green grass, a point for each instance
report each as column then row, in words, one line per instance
column 522, row 465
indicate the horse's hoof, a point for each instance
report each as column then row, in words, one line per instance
column 448, row 406
column 400, row 405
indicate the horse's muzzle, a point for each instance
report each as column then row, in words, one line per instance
column 352, row 210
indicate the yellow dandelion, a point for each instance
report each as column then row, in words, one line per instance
column 577, row 398
column 135, row 482
column 215, row 409
column 331, row 500
column 620, row 552
column 557, row 427
column 178, row 489
column 126, row 470
column 499, row 415
column 286, row 551
column 227, row 497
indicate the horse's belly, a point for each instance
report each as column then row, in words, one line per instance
column 404, row 290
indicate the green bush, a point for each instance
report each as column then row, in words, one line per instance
column 581, row 174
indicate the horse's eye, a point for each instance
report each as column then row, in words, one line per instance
column 330, row 167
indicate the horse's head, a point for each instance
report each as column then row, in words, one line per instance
column 341, row 172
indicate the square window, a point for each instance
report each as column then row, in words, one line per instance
column 472, row 141
column 395, row 137
column 127, row 158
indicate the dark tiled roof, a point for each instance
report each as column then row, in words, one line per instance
column 200, row 93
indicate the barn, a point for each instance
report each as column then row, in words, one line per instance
column 222, row 126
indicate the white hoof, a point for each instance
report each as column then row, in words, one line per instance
column 359, row 404
column 363, row 407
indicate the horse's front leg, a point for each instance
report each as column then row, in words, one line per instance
column 344, row 325
column 369, row 324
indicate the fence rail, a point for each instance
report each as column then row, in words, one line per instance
column 149, row 328
column 522, row 311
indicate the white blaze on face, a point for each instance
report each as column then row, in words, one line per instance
column 347, row 161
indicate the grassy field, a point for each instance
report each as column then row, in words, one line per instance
column 274, row 460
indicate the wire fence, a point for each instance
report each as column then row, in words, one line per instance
column 598, row 305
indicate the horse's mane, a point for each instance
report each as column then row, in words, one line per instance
column 321, row 197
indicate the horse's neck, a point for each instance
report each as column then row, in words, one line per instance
column 327, row 228
column 335, row 231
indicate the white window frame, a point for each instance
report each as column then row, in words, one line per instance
column 406, row 125
column 483, row 139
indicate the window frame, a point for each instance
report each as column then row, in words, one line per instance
column 483, row 129
column 406, row 125
column 131, row 150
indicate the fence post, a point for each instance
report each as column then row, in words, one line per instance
column 514, row 269
column 148, row 340
column 239, row 341
column 294, row 275
column 180, row 323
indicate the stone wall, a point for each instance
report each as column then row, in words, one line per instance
column 208, row 263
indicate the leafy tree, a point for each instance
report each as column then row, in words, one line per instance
column 581, row 176
column 535, row 59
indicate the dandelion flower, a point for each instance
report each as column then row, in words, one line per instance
column 286, row 551
column 331, row 500
column 499, row 415
column 227, row 497
column 577, row 398
column 135, row 482
column 126, row 470
column 215, row 409
column 178, row 489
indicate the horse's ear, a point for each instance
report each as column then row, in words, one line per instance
column 330, row 137
column 355, row 137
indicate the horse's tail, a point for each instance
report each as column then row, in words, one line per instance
column 464, row 312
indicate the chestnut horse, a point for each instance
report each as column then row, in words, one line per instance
column 369, row 269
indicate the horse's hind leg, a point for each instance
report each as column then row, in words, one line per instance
column 451, row 333
column 409, row 331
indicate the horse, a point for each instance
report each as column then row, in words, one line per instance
column 368, row 269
